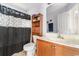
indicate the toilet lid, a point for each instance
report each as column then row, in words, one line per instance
column 29, row 46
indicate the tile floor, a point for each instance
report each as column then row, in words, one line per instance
column 22, row 53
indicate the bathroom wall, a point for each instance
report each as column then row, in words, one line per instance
column 54, row 21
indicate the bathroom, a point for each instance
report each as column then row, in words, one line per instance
column 58, row 32
column 39, row 29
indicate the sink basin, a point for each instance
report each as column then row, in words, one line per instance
column 70, row 41
column 66, row 41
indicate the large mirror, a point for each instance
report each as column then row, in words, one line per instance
column 63, row 18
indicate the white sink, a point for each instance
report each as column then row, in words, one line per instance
column 71, row 41
column 65, row 41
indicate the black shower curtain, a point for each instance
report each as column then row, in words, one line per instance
column 12, row 39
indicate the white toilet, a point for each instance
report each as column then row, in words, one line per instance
column 30, row 47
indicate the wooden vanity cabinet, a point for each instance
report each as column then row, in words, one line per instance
column 58, row 50
column 62, row 50
column 70, row 51
column 45, row 48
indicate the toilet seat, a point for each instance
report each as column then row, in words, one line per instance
column 29, row 46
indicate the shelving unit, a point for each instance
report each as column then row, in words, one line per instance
column 37, row 24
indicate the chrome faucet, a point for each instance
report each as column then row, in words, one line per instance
column 59, row 36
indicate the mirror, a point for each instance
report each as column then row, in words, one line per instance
column 63, row 18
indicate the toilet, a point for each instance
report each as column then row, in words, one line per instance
column 30, row 47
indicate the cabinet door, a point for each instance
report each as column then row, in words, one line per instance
column 58, row 50
column 53, row 49
column 44, row 48
column 70, row 51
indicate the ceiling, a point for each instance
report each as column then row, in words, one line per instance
column 59, row 8
column 36, row 7
column 25, row 7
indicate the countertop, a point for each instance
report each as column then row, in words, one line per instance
column 69, row 42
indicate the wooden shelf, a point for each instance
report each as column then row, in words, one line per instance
column 36, row 21
column 37, row 24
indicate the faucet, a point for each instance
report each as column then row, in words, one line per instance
column 59, row 36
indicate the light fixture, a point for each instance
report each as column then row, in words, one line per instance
column 48, row 3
